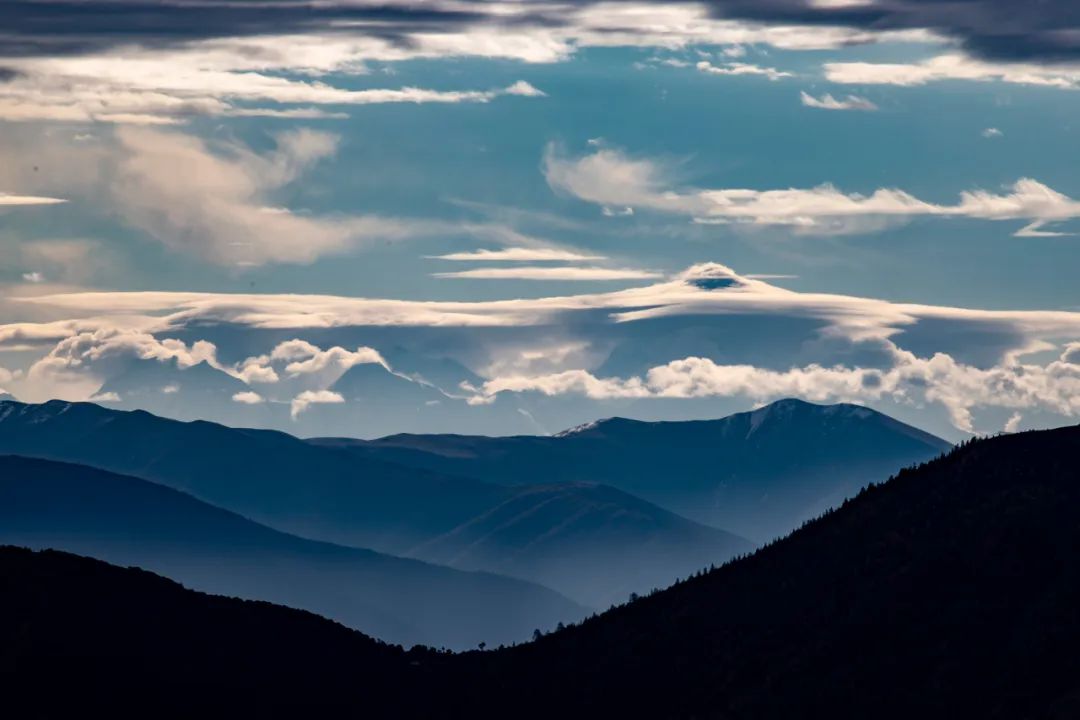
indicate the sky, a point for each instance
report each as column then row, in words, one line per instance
column 351, row 218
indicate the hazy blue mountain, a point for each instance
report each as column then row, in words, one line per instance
column 948, row 592
column 592, row 544
column 758, row 474
column 595, row 543
column 123, row 520
column 270, row 477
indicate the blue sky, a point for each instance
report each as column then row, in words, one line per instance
column 616, row 143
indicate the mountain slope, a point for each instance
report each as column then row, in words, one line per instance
column 758, row 474
column 334, row 495
column 82, row 638
column 593, row 542
column 950, row 591
column 270, row 477
column 133, row 522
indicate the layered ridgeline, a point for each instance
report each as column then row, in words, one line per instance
column 593, row 544
column 126, row 521
column 949, row 591
column 758, row 474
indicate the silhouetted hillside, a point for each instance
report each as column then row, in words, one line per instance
column 949, row 592
column 126, row 521
column 332, row 494
column 758, row 474
column 81, row 638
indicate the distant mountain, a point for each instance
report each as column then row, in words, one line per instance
column 594, row 545
column 948, row 592
column 759, row 474
column 126, row 521
column 593, row 542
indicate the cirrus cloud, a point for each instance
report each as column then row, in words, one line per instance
column 609, row 176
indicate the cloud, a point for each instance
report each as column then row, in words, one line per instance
column 7, row 200
column 549, row 273
column 80, row 362
column 33, row 277
column 519, row 254
column 679, row 338
column 953, row 66
column 306, row 399
column 738, row 68
column 169, row 86
column 828, row 102
column 215, row 203
column 958, row 387
column 992, row 132
column 1013, row 423
column 346, row 34
column 608, row 176
column 248, row 398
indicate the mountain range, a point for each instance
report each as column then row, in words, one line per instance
column 948, row 591
column 592, row 544
column 758, row 474
column 127, row 521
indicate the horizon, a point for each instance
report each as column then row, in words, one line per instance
column 515, row 218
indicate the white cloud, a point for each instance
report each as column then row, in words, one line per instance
column 558, row 342
column 992, row 132
column 8, row 200
column 33, row 277
column 79, row 363
column 953, row 67
column 939, row 379
column 169, row 86
column 608, row 176
column 1013, row 423
column 306, row 399
column 214, row 204
column 738, row 68
column 828, row 102
column 304, row 358
column 549, row 273
column 523, row 89
column 248, row 398
column 519, row 254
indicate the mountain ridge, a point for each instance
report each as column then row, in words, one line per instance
column 128, row 521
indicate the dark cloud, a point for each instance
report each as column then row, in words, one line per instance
column 59, row 27
column 1033, row 30
column 1036, row 30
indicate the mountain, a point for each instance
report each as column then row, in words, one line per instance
column 123, row 520
column 949, row 591
column 267, row 476
column 594, row 545
column 84, row 638
column 758, row 474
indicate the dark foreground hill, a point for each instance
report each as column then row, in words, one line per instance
column 127, row 521
column 80, row 638
column 592, row 544
column 758, row 474
column 949, row 592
